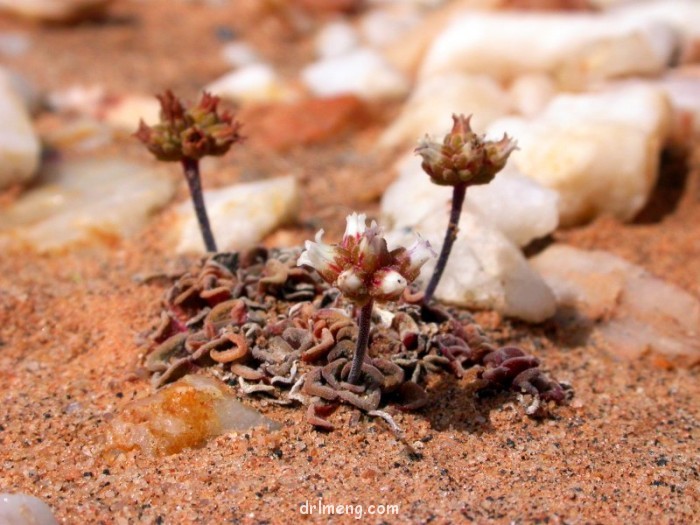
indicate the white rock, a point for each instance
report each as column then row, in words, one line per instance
column 78, row 98
column 599, row 151
column 82, row 134
column 636, row 53
column 508, row 44
column 22, row 509
column 384, row 26
column 19, row 145
column 682, row 15
column 239, row 54
column 240, row 215
column 434, row 100
column 530, row 93
column 86, row 201
column 55, row 10
column 251, row 83
column 362, row 72
column 633, row 310
column 126, row 112
column 485, row 270
column 14, row 44
column 335, row 39
column 515, row 205
column 24, row 89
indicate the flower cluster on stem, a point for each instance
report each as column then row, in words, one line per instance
column 363, row 268
column 186, row 135
column 462, row 159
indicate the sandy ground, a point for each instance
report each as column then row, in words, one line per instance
column 627, row 448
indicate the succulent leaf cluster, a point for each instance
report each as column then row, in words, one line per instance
column 361, row 265
column 463, row 156
column 190, row 133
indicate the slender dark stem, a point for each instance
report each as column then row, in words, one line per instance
column 362, row 340
column 191, row 167
column 460, row 190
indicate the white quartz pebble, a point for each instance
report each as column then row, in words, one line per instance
column 599, row 151
column 239, row 54
column 434, row 100
column 255, row 82
column 485, row 269
column 22, row 509
column 86, row 201
column 19, row 144
column 508, row 44
column 632, row 310
column 55, row 10
column 335, row 39
column 240, row 215
column 362, row 72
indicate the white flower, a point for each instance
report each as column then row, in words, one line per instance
column 318, row 255
column 355, row 225
column 419, row 253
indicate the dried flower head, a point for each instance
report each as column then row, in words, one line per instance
column 189, row 133
column 463, row 156
column 361, row 266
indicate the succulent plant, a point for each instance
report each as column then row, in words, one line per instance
column 462, row 159
column 364, row 270
column 187, row 135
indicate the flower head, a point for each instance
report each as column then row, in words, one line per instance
column 463, row 156
column 361, row 266
column 189, row 133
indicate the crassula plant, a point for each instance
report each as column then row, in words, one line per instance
column 364, row 270
column 186, row 135
column 462, row 159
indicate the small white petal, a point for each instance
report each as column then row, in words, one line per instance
column 355, row 224
column 317, row 254
column 419, row 253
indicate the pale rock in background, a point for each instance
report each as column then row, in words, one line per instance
column 335, row 39
column 485, row 269
column 240, row 215
column 520, row 208
column 362, row 72
column 508, row 44
column 22, row 509
column 85, row 201
column 239, row 54
column 55, row 10
column 125, row 112
column 384, row 26
column 256, row 82
column 530, row 93
column 19, row 145
column 599, row 151
column 682, row 15
column 434, row 100
column 14, row 44
column 632, row 310
column 639, row 53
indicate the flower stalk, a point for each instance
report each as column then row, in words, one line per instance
column 364, row 322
